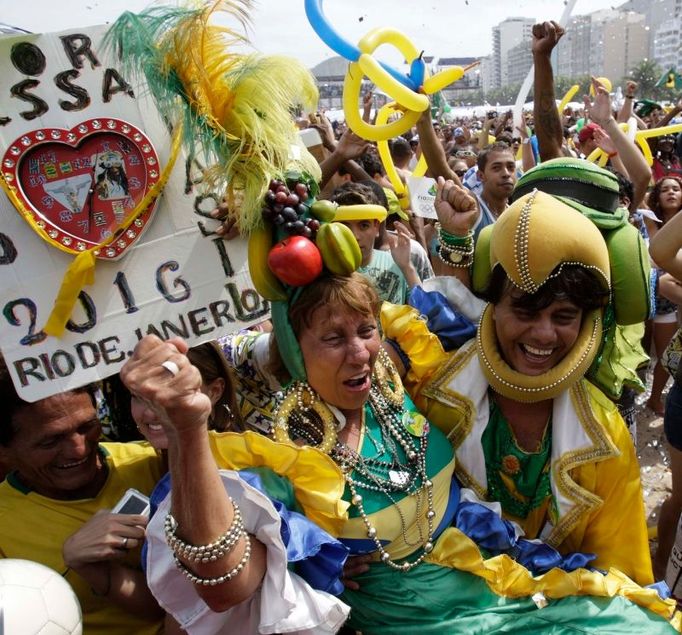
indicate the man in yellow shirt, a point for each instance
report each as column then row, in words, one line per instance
column 54, row 505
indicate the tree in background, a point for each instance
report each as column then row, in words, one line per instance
column 647, row 73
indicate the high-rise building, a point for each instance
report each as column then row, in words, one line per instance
column 487, row 73
column 667, row 39
column 604, row 43
column 655, row 12
column 506, row 35
column 574, row 49
column 519, row 61
column 623, row 41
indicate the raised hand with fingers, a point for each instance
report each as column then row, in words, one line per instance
column 351, row 146
column 399, row 243
column 600, row 108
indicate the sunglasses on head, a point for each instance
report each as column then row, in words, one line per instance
column 465, row 153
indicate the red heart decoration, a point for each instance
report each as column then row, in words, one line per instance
column 80, row 185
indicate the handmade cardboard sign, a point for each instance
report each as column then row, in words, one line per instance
column 81, row 148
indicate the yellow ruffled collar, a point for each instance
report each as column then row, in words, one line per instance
column 317, row 481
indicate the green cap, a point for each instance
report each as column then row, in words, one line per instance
column 581, row 184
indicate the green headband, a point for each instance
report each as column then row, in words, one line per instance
column 581, row 184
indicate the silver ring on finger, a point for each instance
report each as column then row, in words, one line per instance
column 171, row 367
column 124, row 544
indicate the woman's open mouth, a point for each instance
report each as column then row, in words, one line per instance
column 359, row 382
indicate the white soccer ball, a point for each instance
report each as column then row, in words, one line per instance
column 35, row 599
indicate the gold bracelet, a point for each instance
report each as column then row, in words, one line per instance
column 454, row 258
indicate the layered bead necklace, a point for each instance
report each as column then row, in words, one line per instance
column 304, row 416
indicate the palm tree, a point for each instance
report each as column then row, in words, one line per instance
column 646, row 73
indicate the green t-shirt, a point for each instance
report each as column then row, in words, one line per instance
column 387, row 277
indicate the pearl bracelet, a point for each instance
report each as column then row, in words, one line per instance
column 226, row 577
column 205, row 553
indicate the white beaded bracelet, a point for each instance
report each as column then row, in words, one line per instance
column 226, row 577
column 205, row 553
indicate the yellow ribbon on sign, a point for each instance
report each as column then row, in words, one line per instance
column 81, row 271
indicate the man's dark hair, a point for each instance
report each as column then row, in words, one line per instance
column 498, row 146
column 351, row 193
column 371, row 164
column 568, row 282
column 378, row 192
column 625, row 187
column 12, row 403
column 400, row 148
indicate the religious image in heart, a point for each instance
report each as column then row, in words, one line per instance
column 79, row 185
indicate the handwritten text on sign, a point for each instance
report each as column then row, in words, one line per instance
column 179, row 279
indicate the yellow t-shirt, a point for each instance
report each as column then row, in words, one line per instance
column 33, row 527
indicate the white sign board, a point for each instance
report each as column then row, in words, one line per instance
column 178, row 279
column 422, row 191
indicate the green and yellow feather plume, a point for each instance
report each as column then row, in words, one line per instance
column 236, row 108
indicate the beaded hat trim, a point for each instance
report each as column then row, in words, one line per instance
column 508, row 382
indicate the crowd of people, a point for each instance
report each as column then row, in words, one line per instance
column 442, row 441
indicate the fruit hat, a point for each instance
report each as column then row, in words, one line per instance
column 235, row 109
column 300, row 239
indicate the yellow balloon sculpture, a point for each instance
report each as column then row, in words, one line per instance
column 598, row 155
column 406, row 100
column 408, row 92
column 385, row 155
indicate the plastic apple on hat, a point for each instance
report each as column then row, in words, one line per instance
column 296, row 261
